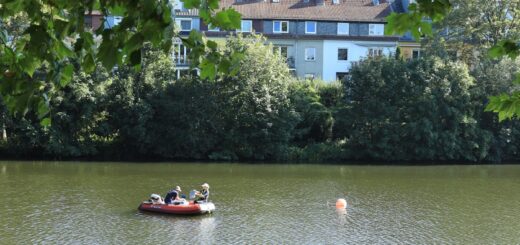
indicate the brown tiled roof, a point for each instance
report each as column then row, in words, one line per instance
column 346, row 10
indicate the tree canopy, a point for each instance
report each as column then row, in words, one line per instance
column 494, row 24
column 41, row 40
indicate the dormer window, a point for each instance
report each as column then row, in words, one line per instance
column 376, row 29
column 280, row 26
column 184, row 24
column 343, row 28
column 246, row 26
column 310, row 27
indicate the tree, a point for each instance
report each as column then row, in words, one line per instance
column 499, row 27
column 54, row 36
column 417, row 110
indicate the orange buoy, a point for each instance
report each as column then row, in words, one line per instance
column 341, row 203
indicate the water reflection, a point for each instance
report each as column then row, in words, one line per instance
column 342, row 215
column 4, row 169
column 206, row 227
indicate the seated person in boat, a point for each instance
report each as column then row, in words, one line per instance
column 156, row 199
column 203, row 194
column 173, row 195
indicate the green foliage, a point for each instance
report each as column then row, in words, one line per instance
column 486, row 24
column 50, row 34
column 315, row 102
column 419, row 18
column 430, row 109
column 412, row 111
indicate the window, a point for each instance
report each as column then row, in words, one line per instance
column 342, row 54
column 180, row 54
column 343, row 28
column 88, row 21
column 335, row 1
column 310, row 54
column 280, row 26
column 416, row 54
column 246, row 26
column 282, row 50
column 375, row 52
column 310, row 27
column 341, row 75
column 309, row 76
column 276, row 1
column 184, row 24
column 376, row 29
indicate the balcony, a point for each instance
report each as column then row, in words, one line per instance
column 291, row 63
column 180, row 55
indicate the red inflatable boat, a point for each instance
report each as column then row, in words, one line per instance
column 185, row 208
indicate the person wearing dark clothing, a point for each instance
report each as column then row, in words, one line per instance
column 172, row 195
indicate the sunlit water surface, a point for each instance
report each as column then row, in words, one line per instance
column 96, row 203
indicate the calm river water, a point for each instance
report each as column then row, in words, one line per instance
column 96, row 203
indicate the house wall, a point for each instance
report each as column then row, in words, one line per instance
column 323, row 28
column 407, row 49
column 357, row 50
column 303, row 66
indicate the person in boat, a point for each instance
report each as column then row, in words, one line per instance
column 156, row 199
column 173, row 195
column 202, row 195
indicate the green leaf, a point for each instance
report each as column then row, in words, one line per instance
column 88, row 63
column 135, row 42
column 191, row 4
column 207, row 70
column 46, row 122
column 43, row 108
column 228, row 19
column 62, row 50
column 66, row 75
column 29, row 64
column 107, row 54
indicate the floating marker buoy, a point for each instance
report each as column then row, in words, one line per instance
column 341, row 203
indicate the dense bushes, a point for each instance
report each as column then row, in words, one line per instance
column 388, row 109
column 418, row 110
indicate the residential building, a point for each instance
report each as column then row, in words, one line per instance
column 319, row 38
column 410, row 48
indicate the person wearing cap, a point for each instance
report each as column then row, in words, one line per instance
column 173, row 195
column 203, row 194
